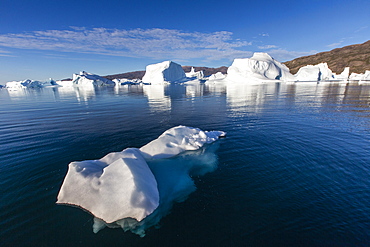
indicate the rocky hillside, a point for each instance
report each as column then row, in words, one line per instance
column 357, row 57
column 139, row 74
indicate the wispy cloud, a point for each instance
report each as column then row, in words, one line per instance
column 361, row 29
column 285, row 55
column 333, row 45
column 151, row 43
column 265, row 47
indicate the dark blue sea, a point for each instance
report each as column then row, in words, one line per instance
column 294, row 169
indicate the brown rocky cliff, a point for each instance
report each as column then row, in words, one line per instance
column 357, row 57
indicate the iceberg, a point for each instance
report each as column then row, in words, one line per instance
column 30, row 84
column 342, row 76
column 318, row 72
column 125, row 81
column 135, row 188
column 88, row 79
column 164, row 72
column 260, row 67
column 217, row 76
column 193, row 74
column 360, row 77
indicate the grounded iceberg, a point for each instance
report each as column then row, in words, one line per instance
column 135, row 188
column 164, row 72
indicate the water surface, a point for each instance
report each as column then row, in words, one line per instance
column 293, row 170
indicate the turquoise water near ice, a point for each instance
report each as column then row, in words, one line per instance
column 293, row 170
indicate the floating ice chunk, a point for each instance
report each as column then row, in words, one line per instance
column 122, row 189
column 260, row 66
column 118, row 186
column 166, row 71
column 177, row 140
column 88, row 79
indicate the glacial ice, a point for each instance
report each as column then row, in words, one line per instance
column 30, row 84
column 135, row 188
column 318, row 72
column 177, row 140
column 88, row 79
column 216, row 76
column 260, row 67
column 193, row 74
column 164, row 72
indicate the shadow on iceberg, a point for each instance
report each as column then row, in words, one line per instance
column 135, row 188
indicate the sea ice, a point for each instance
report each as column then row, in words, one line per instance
column 164, row 72
column 260, row 67
column 135, row 188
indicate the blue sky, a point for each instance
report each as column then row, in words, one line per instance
column 41, row 39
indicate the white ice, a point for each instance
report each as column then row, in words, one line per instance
column 193, row 74
column 88, row 79
column 135, row 188
column 177, row 140
column 30, row 84
column 164, row 72
column 117, row 186
column 318, row 72
column 260, row 67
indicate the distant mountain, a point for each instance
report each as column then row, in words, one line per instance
column 357, row 57
column 139, row 74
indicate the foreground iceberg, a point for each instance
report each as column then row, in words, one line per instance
column 135, row 188
column 88, row 79
column 260, row 67
column 164, row 72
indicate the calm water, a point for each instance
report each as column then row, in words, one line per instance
column 294, row 169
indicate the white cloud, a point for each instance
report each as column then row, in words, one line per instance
column 265, row 47
column 335, row 44
column 152, row 43
column 282, row 55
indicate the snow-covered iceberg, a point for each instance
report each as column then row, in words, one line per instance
column 88, row 79
column 135, row 188
column 164, row 72
column 260, row 67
